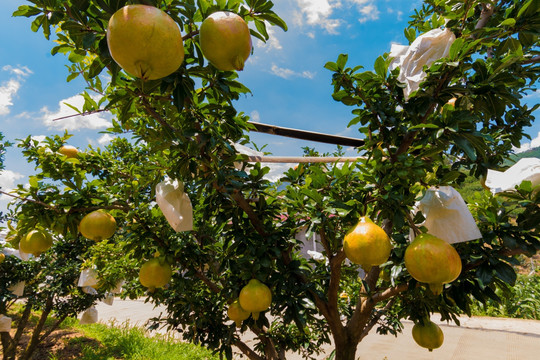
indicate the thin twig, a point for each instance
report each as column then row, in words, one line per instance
column 304, row 159
column 31, row 200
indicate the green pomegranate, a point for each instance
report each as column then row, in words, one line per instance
column 428, row 335
column 367, row 244
column 255, row 297
column 145, row 41
column 432, row 260
column 237, row 313
column 225, row 40
column 36, row 242
column 155, row 273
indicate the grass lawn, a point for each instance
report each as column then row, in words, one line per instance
column 103, row 342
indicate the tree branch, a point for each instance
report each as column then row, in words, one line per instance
column 208, row 282
column 390, row 292
column 190, row 35
column 532, row 60
column 253, row 218
column 247, row 351
column 150, row 110
column 487, row 11
column 376, row 318
column 31, row 200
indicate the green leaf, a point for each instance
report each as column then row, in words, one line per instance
column 508, row 22
column 33, row 181
column 27, row 11
column 332, row 66
column 342, row 61
column 424, row 126
column 455, row 49
column 262, row 28
column 274, row 20
column 506, row 273
column 380, row 67
column 467, row 148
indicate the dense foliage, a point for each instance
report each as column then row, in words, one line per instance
column 185, row 125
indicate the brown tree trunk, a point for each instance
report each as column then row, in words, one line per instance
column 345, row 348
column 36, row 338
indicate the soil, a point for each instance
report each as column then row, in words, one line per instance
column 62, row 344
column 529, row 265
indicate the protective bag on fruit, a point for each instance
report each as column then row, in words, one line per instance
column 88, row 277
column 89, row 316
column 526, row 169
column 5, row 323
column 175, row 204
column 108, row 299
column 118, row 288
column 424, row 50
column 18, row 288
column 447, row 216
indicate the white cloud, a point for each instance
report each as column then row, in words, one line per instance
column 368, row 10
column 255, row 116
column 8, row 181
column 105, row 139
column 322, row 12
column 535, row 95
column 9, row 88
column 288, row 73
column 535, row 142
column 317, row 12
column 70, row 122
column 273, row 42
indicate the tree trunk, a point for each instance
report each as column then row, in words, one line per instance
column 345, row 348
column 36, row 339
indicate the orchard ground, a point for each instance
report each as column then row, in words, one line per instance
column 476, row 338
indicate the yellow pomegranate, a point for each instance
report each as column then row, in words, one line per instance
column 97, row 225
column 69, row 151
column 36, row 242
column 155, row 273
column 236, row 313
column 432, row 260
column 367, row 244
column 145, row 41
column 225, row 40
column 428, row 335
column 255, row 297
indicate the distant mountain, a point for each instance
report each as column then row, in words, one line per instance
column 529, row 153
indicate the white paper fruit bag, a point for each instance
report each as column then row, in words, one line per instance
column 447, row 216
column 88, row 277
column 89, row 316
column 5, row 323
column 18, row 288
column 524, row 169
column 175, row 204
column 424, row 50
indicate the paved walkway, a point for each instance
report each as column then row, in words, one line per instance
column 478, row 338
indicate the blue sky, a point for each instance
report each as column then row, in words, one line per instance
column 289, row 83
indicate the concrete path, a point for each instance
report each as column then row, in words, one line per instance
column 478, row 338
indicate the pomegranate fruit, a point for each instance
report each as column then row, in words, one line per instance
column 367, row 244
column 255, row 297
column 225, row 40
column 432, row 260
column 36, row 242
column 237, row 313
column 428, row 335
column 69, row 151
column 155, row 273
column 145, row 41
column 97, row 225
